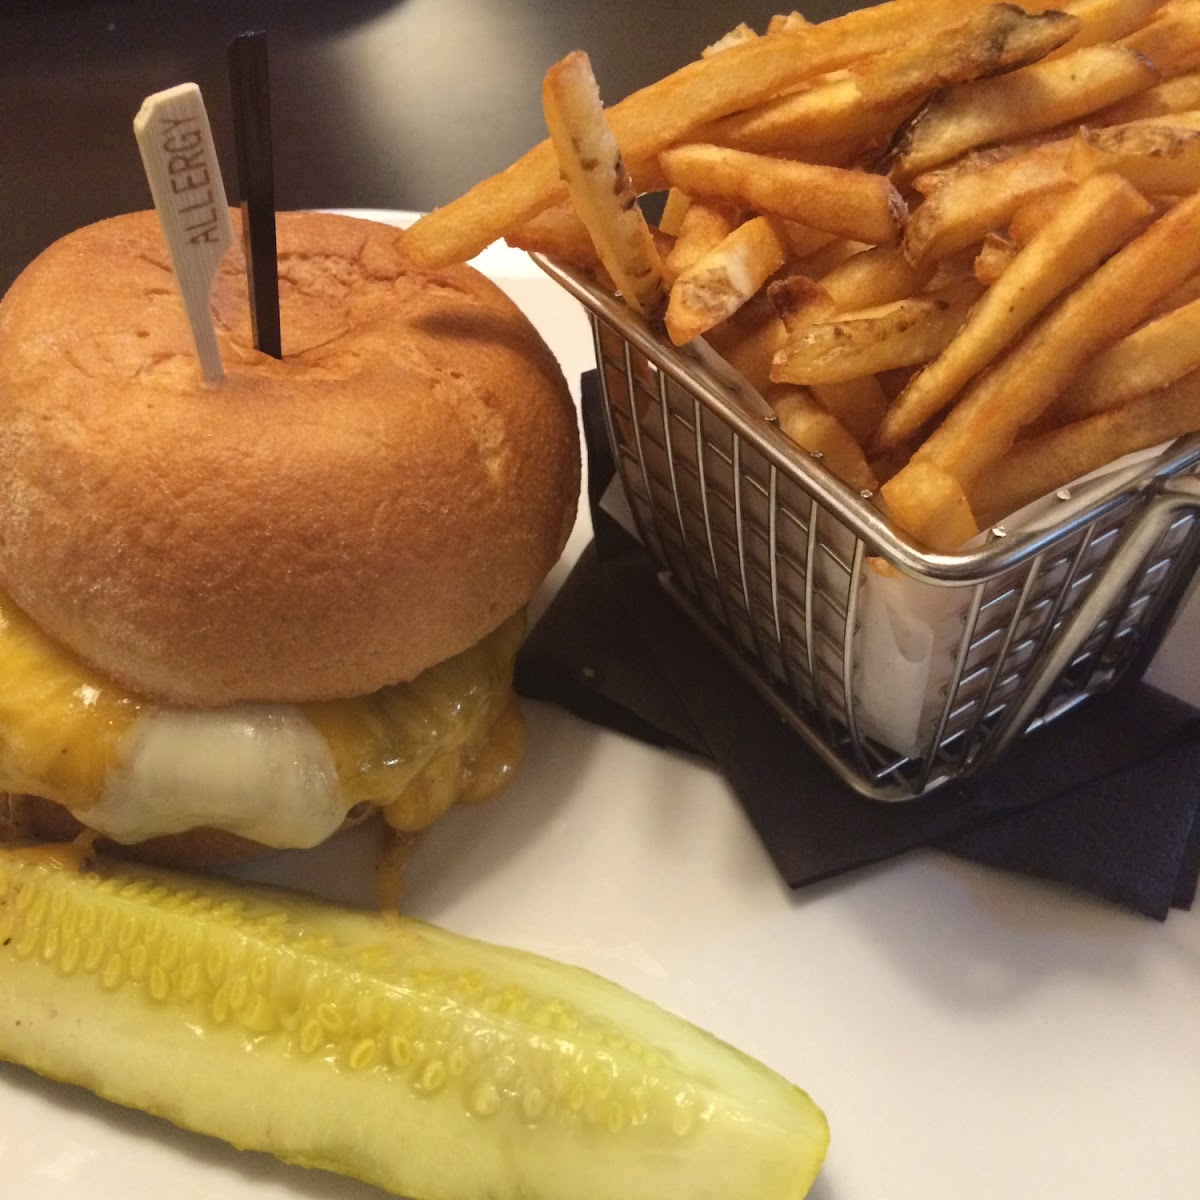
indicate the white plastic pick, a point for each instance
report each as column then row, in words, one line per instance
column 176, row 142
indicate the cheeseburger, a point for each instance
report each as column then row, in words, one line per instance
column 245, row 613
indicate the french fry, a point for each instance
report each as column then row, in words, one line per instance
column 858, row 152
column 599, row 185
column 814, row 429
column 819, row 263
column 704, row 226
column 1103, row 308
column 858, row 404
column 1180, row 94
column 1107, row 20
column 803, row 241
column 934, row 15
column 799, row 300
column 735, row 37
column 901, row 334
column 1038, row 211
column 1185, row 119
column 929, row 182
column 830, row 111
column 954, row 268
column 791, row 22
column 973, row 203
column 849, row 203
column 931, row 504
column 748, row 341
column 874, row 276
column 666, row 111
column 719, row 283
column 981, row 193
column 645, row 175
column 1156, row 159
column 1019, row 104
column 1100, row 215
column 1185, row 293
column 994, row 258
column 887, row 466
column 1043, row 464
column 1172, row 40
column 1151, row 357
column 558, row 233
column 676, row 204
column 992, row 41
column 875, row 96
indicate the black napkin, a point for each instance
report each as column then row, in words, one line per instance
column 1104, row 800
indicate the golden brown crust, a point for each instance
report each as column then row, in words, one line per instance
column 310, row 528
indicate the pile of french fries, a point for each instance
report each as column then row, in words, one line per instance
column 954, row 244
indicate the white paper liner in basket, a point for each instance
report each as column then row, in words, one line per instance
column 908, row 632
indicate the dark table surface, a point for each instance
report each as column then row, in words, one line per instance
column 377, row 104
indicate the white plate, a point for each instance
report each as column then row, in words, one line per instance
column 969, row 1034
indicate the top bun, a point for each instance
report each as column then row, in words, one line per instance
column 309, row 528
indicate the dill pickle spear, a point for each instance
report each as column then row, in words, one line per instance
column 432, row 1065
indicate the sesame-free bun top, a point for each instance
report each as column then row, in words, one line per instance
column 314, row 527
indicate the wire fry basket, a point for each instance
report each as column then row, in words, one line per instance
column 904, row 670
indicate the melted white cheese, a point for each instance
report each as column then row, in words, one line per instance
column 261, row 771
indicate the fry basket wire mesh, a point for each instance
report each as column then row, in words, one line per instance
column 903, row 669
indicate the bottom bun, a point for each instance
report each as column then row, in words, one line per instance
column 32, row 816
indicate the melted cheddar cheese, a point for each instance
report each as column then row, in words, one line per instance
column 280, row 774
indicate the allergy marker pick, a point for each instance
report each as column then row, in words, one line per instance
column 177, row 150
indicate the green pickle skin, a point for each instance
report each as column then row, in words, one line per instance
column 432, row 1065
